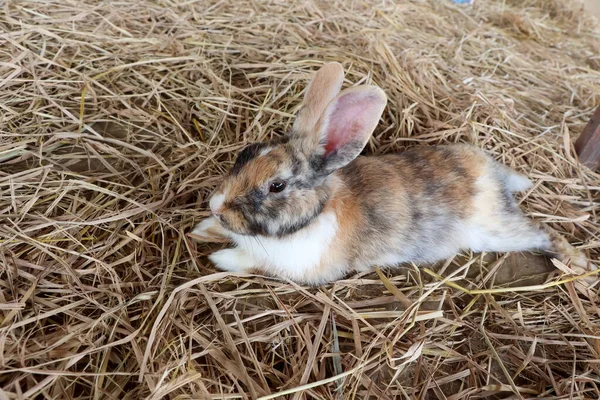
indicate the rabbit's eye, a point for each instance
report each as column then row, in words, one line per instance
column 277, row 186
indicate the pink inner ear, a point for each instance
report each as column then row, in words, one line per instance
column 349, row 120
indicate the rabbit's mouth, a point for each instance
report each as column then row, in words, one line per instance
column 223, row 221
column 235, row 225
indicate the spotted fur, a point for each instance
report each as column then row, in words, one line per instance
column 340, row 212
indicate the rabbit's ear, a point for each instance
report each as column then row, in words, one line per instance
column 321, row 90
column 346, row 126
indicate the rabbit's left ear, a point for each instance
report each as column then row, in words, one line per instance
column 346, row 126
column 321, row 90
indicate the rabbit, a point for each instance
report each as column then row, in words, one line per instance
column 306, row 207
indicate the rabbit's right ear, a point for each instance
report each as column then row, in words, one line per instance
column 320, row 92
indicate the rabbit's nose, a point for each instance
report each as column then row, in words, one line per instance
column 216, row 204
column 218, row 214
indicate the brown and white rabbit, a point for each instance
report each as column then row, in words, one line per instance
column 306, row 207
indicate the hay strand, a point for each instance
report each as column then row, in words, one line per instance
column 118, row 119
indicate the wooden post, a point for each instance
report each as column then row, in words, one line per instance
column 587, row 145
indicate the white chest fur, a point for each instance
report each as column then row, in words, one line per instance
column 293, row 255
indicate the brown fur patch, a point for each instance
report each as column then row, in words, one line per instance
column 446, row 174
column 347, row 212
column 255, row 174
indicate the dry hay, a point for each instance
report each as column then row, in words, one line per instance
column 117, row 119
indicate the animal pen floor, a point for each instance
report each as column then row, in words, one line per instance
column 118, row 118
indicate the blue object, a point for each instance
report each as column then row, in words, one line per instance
column 462, row 1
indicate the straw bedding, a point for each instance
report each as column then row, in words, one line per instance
column 118, row 118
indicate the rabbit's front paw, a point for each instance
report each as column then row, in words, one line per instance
column 233, row 260
column 210, row 230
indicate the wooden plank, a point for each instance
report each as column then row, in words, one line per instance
column 588, row 144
